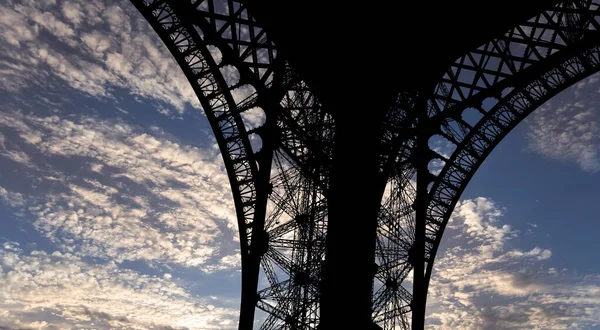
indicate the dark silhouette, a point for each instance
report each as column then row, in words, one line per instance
column 353, row 95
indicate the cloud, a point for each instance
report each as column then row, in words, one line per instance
column 112, row 48
column 143, row 197
column 108, row 194
column 73, row 12
column 15, row 27
column 10, row 198
column 566, row 128
column 481, row 282
column 52, row 290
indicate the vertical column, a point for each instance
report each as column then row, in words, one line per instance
column 260, row 239
column 353, row 203
column 418, row 249
column 248, row 296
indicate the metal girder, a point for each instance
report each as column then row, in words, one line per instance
column 504, row 80
column 296, row 225
column 234, row 70
column 280, row 191
column 518, row 71
column 570, row 35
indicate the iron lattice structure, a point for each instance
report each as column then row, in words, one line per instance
column 277, row 142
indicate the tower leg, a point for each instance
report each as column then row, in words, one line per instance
column 418, row 249
column 248, row 298
column 354, row 200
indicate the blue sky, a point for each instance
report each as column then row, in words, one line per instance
column 116, row 210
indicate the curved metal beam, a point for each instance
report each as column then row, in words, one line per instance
column 534, row 51
column 248, row 185
column 207, row 38
column 570, row 33
column 203, row 72
column 282, row 216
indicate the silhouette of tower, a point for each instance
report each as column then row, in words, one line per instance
column 327, row 117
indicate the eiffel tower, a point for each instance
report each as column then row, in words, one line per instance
column 326, row 116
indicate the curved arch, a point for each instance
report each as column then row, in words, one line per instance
column 520, row 55
column 224, row 53
column 202, row 71
column 520, row 69
column 392, row 296
column 204, row 74
column 527, row 90
column 297, row 135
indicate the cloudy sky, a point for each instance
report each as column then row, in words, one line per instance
column 116, row 209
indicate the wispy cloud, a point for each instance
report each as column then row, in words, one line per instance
column 484, row 283
column 94, row 47
column 142, row 197
column 566, row 128
column 60, row 290
column 109, row 194
column 10, row 198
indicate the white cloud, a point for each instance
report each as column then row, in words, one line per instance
column 161, row 202
column 48, row 21
column 72, row 11
column 479, row 218
column 97, row 42
column 104, row 189
column 15, row 28
column 228, row 262
column 10, row 198
column 96, row 168
column 113, row 47
column 486, row 284
column 566, row 128
column 42, row 290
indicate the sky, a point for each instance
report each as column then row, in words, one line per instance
column 117, row 213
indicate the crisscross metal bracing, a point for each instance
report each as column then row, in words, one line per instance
column 277, row 142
